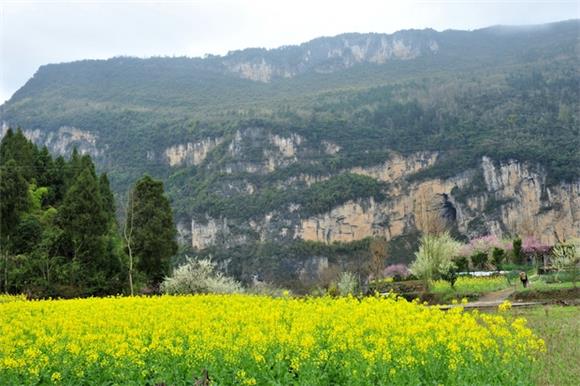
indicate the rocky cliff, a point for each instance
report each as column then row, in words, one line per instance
column 64, row 140
column 501, row 198
column 326, row 55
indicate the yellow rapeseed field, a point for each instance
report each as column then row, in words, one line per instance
column 252, row 340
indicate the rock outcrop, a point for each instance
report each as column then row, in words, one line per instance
column 63, row 140
column 325, row 55
column 496, row 198
column 190, row 153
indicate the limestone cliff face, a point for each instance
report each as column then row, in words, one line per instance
column 393, row 217
column 496, row 198
column 283, row 152
column 190, row 153
column 205, row 235
column 398, row 166
column 348, row 222
column 63, row 140
column 515, row 200
column 330, row 148
column 274, row 151
column 327, row 55
column 529, row 206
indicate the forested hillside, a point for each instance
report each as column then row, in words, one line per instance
column 520, row 82
column 269, row 149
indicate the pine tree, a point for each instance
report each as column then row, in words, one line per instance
column 13, row 203
column 84, row 223
column 107, row 196
column 13, row 197
column 58, row 234
column 17, row 147
column 73, row 167
column 43, row 165
column 153, row 237
column 58, row 181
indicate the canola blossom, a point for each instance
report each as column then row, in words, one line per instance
column 252, row 340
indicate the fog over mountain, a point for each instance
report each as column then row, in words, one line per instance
column 34, row 33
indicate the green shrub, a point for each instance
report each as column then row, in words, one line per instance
column 479, row 260
column 517, row 252
column 497, row 257
column 462, row 263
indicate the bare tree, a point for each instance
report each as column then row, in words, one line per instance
column 127, row 235
column 378, row 249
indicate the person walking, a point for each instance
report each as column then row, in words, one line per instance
column 524, row 279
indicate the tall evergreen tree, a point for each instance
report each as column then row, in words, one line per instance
column 43, row 166
column 154, row 234
column 81, row 214
column 84, row 223
column 58, row 180
column 73, row 167
column 13, row 203
column 13, row 197
column 58, row 234
column 17, row 147
column 107, row 196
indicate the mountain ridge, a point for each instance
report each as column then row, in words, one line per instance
column 214, row 60
column 262, row 172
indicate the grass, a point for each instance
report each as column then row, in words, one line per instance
column 473, row 287
column 540, row 285
column 550, row 281
column 560, row 328
column 469, row 287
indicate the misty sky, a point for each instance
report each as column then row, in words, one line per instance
column 33, row 33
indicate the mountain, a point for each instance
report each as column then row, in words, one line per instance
column 270, row 156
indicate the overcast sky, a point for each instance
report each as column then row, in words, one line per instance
column 33, row 33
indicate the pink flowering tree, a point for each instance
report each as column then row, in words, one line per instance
column 480, row 249
column 484, row 244
column 532, row 245
column 397, row 270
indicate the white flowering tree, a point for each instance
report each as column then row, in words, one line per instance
column 199, row 276
column 434, row 259
column 566, row 257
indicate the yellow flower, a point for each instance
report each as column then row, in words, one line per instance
column 505, row 306
column 55, row 377
column 253, row 337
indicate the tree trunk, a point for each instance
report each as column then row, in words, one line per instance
column 5, row 284
column 127, row 235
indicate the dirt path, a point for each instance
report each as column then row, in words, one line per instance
column 490, row 300
column 497, row 296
